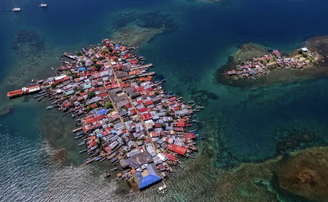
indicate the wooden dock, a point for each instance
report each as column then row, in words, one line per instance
column 77, row 129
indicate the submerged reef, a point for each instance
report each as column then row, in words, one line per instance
column 6, row 111
column 317, row 67
column 136, row 29
column 305, row 173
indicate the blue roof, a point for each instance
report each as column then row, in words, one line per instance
column 99, row 135
column 113, row 131
column 101, row 112
column 148, row 180
column 123, row 53
column 118, row 45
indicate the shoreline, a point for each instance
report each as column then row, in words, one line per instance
column 124, row 115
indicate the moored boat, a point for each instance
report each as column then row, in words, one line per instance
column 16, row 9
column 43, row 5
column 50, row 107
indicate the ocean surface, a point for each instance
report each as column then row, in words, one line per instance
column 242, row 125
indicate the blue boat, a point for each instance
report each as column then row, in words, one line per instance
column 80, row 133
column 36, row 96
column 42, row 91
column 203, row 137
column 98, row 158
column 113, row 160
column 86, row 160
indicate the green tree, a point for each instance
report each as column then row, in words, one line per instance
column 91, row 95
column 108, row 105
column 82, row 63
column 97, row 67
column 98, row 104
column 78, row 53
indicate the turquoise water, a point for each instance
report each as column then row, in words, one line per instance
column 199, row 41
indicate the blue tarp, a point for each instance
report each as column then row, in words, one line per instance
column 123, row 53
column 114, row 131
column 118, row 45
column 99, row 135
column 81, row 69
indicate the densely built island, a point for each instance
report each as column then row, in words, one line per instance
column 261, row 65
column 123, row 114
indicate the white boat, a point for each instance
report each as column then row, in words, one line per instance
column 16, row 9
column 43, row 5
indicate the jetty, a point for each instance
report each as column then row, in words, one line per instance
column 125, row 117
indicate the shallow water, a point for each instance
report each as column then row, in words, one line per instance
column 201, row 38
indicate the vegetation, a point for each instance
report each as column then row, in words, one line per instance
column 82, row 63
column 78, row 53
column 91, row 95
column 163, row 126
column 98, row 104
column 108, row 105
column 97, row 67
column 156, row 93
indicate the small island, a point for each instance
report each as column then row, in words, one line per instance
column 254, row 65
column 123, row 115
column 259, row 66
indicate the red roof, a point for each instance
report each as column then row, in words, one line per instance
column 176, row 108
column 181, row 124
column 178, row 149
column 170, row 156
column 133, row 111
column 68, row 104
column 139, row 102
column 144, row 109
column 146, row 116
column 189, row 135
column 92, row 143
column 154, row 134
column 148, row 102
column 158, row 125
column 172, row 99
column 102, row 94
column 93, row 119
column 140, row 88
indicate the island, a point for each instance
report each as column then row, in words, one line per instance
column 253, row 64
column 122, row 113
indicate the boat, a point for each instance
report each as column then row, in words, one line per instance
column 42, row 91
column 50, row 107
column 113, row 169
column 82, row 151
column 98, row 158
column 190, row 102
column 16, row 9
column 107, row 175
column 40, row 81
column 36, row 96
column 43, row 5
column 24, row 90
column 113, row 160
column 253, row 78
column 202, row 137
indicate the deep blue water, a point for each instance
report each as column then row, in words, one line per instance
column 187, row 57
